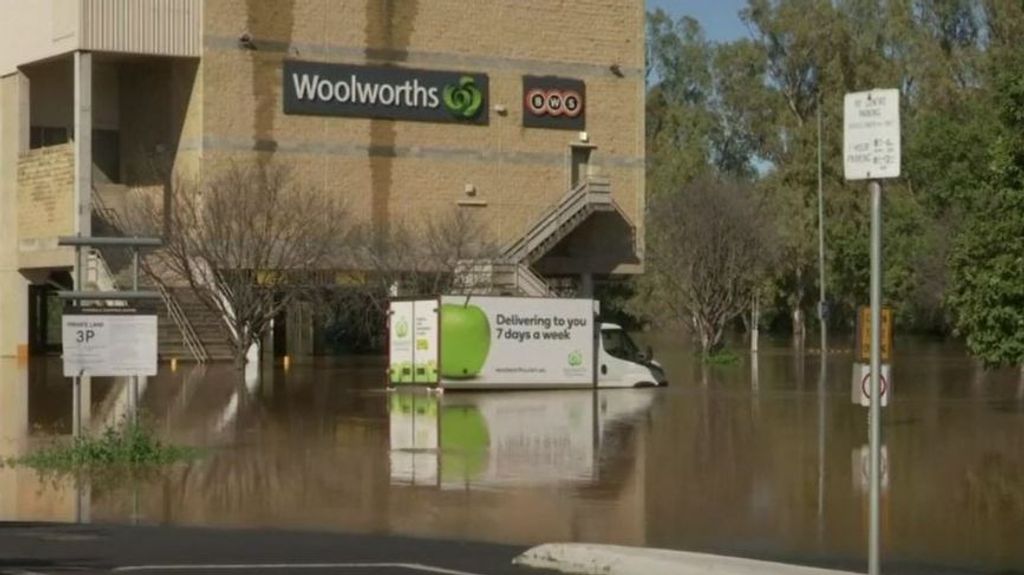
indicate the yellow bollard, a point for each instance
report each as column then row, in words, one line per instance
column 287, row 362
column 174, row 364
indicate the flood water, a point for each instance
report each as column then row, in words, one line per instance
column 765, row 458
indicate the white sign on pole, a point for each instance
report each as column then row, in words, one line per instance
column 862, row 468
column 860, row 385
column 109, row 345
column 871, row 135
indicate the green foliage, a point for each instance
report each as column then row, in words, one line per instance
column 721, row 356
column 951, row 228
column 988, row 258
column 128, row 446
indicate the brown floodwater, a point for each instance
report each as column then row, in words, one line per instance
column 763, row 458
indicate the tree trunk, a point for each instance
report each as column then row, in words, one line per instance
column 755, row 320
column 799, row 327
column 241, row 348
column 1020, row 383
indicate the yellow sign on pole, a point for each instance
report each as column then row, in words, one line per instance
column 864, row 334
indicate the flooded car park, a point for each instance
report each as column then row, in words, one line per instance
column 759, row 459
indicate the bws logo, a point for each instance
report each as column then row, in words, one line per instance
column 553, row 102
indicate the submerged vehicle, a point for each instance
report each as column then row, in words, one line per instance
column 486, row 342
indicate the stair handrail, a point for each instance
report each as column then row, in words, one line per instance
column 188, row 333
column 530, row 283
column 585, row 192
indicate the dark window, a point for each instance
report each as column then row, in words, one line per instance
column 44, row 136
column 618, row 344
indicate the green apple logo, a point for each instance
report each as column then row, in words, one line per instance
column 576, row 359
column 465, row 340
column 401, row 327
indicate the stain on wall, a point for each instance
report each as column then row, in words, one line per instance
column 389, row 28
column 267, row 20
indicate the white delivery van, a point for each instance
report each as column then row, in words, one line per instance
column 486, row 342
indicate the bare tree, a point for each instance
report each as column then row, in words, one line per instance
column 449, row 254
column 445, row 255
column 708, row 247
column 248, row 242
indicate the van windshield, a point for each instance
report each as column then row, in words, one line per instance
column 618, row 344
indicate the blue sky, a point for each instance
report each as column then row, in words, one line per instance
column 719, row 18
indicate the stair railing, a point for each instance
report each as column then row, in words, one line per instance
column 188, row 333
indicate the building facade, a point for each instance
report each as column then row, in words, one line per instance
column 528, row 114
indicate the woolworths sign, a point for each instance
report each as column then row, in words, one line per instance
column 319, row 89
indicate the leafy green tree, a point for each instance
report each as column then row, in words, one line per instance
column 988, row 258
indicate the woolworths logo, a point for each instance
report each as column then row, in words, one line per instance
column 315, row 88
column 463, row 100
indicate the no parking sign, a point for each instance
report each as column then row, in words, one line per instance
column 860, row 388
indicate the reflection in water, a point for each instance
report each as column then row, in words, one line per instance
column 745, row 459
column 517, row 439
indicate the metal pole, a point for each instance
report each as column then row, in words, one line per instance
column 76, row 400
column 876, row 367
column 135, row 378
column 823, row 327
column 821, row 246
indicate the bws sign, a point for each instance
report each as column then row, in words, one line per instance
column 320, row 89
column 552, row 102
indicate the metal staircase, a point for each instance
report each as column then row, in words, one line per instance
column 186, row 328
column 511, row 272
column 592, row 194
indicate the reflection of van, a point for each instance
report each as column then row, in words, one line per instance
column 514, row 438
column 622, row 364
column 486, row 342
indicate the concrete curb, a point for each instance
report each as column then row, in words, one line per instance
column 587, row 559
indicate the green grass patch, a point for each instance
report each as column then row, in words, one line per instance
column 128, row 446
column 721, row 357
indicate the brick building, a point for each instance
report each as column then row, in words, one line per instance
column 527, row 113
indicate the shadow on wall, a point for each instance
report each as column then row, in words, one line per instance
column 389, row 27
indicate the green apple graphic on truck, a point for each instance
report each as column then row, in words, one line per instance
column 465, row 340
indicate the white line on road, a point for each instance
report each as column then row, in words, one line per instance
column 241, row 566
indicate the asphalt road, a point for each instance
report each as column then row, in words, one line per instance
column 34, row 548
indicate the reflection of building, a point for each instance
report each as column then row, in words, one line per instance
column 184, row 86
column 24, row 495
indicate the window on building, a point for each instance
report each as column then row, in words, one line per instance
column 44, row 136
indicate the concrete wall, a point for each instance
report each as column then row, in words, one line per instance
column 13, row 286
column 156, row 104
column 35, row 30
column 412, row 171
column 46, row 178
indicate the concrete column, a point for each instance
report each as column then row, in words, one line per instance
column 14, row 430
column 587, row 285
column 14, row 140
column 83, row 215
column 300, row 331
column 83, row 145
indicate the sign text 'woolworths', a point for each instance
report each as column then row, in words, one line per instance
column 321, row 89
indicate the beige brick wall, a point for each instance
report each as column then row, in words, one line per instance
column 408, row 169
column 46, row 193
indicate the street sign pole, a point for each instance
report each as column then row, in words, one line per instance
column 876, row 370
column 871, row 151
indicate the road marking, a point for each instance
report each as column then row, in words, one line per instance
column 229, row 567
